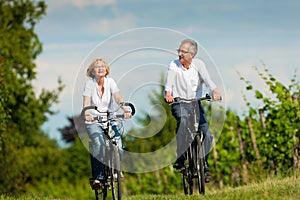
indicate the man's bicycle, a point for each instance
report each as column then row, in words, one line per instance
column 112, row 160
column 195, row 163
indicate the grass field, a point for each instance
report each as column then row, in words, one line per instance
column 270, row 189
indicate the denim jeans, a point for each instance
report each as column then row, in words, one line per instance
column 184, row 116
column 97, row 149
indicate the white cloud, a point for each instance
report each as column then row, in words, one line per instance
column 113, row 25
column 84, row 3
column 195, row 29
column 53, row 5
column 68, row 46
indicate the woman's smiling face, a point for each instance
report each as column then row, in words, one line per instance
column 100, row 69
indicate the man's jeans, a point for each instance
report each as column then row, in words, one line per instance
column 183, row 113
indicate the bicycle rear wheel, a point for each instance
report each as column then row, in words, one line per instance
column 116, row 174
column 199, row 164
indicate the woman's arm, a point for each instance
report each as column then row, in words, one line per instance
column 118, row 98
column 87, row 102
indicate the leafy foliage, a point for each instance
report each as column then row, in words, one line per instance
column 282, row 122
column 22, row 112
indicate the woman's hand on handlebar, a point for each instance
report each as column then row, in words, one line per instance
column 89, row 118
column 127, row 115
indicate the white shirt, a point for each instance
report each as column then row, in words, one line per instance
column 188, row 83
column 105, row 103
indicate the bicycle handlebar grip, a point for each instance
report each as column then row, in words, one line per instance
column 131, row 107
column 82, row 114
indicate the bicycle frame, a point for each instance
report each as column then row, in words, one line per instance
column 195, row 152
column 112, row 154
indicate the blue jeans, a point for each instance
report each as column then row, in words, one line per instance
column 181, row 113
column 97, row 148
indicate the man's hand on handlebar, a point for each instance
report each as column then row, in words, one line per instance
column 216, row 96
column 169, row 98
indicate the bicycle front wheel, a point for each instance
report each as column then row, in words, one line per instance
column 116, row 174
column 187, row 184
column 199, row 165
column 102, row 193
column 187, row 176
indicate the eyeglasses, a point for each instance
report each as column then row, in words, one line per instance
column 182, row 51
column 99, row 67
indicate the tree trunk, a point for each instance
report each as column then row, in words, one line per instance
column 215, row 154
column 242, row 153
column 253, row 139
column 262, row 118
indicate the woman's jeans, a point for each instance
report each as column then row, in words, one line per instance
column 98, row 145
column 183, row 113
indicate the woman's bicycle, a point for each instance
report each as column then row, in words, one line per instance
column 195, row 163
column 112, row 160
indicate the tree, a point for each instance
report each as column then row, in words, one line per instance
column 24, row 110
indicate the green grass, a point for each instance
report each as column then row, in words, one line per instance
column 270, row 189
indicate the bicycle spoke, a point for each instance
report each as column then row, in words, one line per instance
column 200, row 165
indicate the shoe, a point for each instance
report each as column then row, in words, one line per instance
column 122, row 178
column 178, row 165
column 95, row 184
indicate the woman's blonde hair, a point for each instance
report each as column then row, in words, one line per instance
column 90, row 69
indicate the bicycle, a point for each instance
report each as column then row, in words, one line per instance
column 112, row 153
column 194, row 165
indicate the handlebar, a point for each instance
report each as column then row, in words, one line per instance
column 182, row 100
column 179, row 99
column 82, row 115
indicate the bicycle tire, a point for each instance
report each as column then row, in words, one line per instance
column 200, row 154
column 97, row 195
column 185, row 182
column 190, row 171
column 103, row 192
column 116, row 174
column 104, row 187
column 98, row 191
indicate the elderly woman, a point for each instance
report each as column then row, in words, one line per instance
column 99, row 91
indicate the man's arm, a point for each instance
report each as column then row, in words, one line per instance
column 201, row 68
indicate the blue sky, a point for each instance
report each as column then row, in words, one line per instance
column 236, row 34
